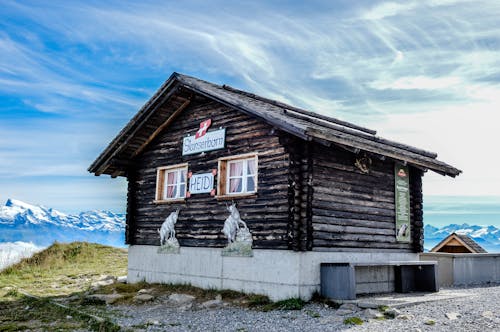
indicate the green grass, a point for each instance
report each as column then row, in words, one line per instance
column 54, row 273
column 353, row 321
column 288, row 304
column 63, row 269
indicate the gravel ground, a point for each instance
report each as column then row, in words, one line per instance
column 479, row 311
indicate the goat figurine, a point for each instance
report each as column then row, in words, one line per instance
column 402, row 232
column 232, row 223
column 167, row 230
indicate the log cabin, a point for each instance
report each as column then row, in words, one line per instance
column 311, row 189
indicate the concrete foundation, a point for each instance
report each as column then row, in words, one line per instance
column 466, row 269
column 279, row 274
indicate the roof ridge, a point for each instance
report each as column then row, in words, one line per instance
column 300, row 110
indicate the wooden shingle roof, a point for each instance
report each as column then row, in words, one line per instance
column 298, row 122
column 464, row 240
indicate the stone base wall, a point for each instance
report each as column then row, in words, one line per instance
column 279, row 274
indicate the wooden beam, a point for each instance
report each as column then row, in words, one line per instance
column 116, row 173
column 128, row 136
column 163, row 126
column 391, row 152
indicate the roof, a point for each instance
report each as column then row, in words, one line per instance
column 464, row 240
column 154, row 117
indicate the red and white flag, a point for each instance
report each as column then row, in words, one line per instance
column 203, row 128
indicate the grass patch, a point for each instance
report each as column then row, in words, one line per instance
column 353, row 321
column 288, row 304
column 62, row 269
column 26, row 313
column 54, row 274
column 313, row 314
column 316, row 297
column 255, row 300
column 382, row 308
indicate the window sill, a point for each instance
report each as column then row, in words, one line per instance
column 236, row 196
column 169, row 201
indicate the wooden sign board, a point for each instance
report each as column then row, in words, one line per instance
column 402, row 186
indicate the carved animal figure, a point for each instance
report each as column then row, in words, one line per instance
column 167, row 230
column 232, row 223
column 402, row 230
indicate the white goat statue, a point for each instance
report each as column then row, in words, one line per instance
column 232, row 223
column 402, row 232
column 167, row 230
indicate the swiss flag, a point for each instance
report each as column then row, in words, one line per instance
column 203, row 128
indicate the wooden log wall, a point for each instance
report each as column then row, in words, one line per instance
column 130, row 226
column 352, row 210
column 202, row 217
column 300, row 193
column 416, row 202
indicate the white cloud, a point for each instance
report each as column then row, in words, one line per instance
column 388, row 9
column 416, row 83
column 424, row 73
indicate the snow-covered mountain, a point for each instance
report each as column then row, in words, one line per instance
column 21, row 221
column 486, row 236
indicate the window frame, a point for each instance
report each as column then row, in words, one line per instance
column 223, row 177
column 161, row 174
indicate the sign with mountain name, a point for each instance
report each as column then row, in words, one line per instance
column 402, row 186
column 204, row 140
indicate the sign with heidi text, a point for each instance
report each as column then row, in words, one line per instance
column 201, row 183
column 402, row 186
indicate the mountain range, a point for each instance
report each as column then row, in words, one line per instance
column 42, row 226
column 487, row 237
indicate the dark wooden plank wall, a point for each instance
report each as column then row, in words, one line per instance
column 352, row 210
column 202, row 217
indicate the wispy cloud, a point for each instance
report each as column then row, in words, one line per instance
column 420, row 71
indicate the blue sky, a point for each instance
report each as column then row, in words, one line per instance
column 426, row 73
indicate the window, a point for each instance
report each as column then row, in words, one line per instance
column 171, row 183
column 237, row 175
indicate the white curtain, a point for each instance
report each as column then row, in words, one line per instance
column 170, row 184
column 235, row 169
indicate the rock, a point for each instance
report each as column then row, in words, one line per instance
column 211, row 304
column 153, row 322
column 218, row 297
column 405, row 317
column 145, row 291
column 347, row 309
column 141, row 298
column 392, row 313
column 106, row 277
column 372, row 314
column 430, row 322
column 69, row 317
column 107, row 298
column 368, row 305
column 488, row 314
column 122, row 279
column 180, row 299
column 102, row 283
column 349, row 306
column 332, row 319
column 452, row 315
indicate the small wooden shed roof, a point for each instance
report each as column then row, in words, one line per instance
column 154, row 117
column 464, row 240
